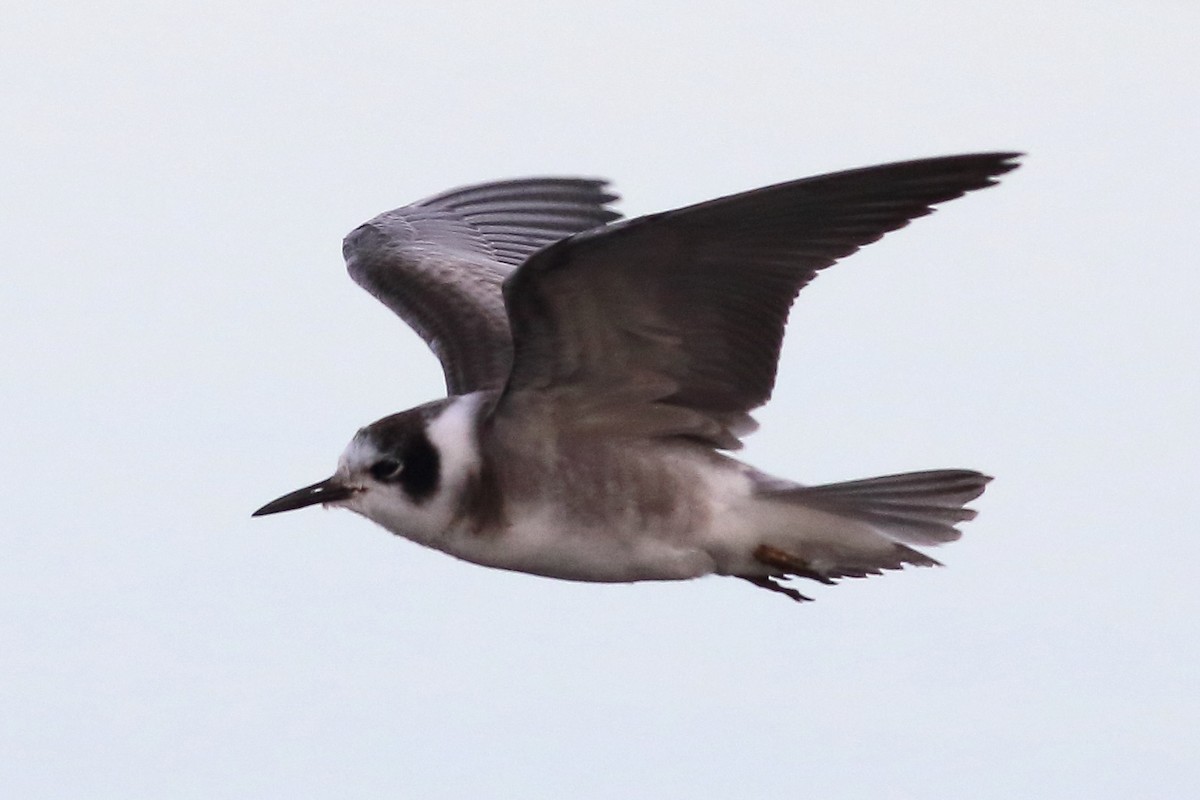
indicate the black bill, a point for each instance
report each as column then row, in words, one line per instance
column 326, row 491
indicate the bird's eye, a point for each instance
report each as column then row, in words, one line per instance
column 385, row 469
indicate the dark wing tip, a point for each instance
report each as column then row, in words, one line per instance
column 997, row 163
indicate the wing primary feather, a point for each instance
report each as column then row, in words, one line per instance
column 588, row 313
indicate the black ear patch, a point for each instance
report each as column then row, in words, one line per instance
column 422, row 468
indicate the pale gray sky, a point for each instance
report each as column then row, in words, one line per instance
column 182, row 345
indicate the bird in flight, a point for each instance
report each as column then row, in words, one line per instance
column 599, row 370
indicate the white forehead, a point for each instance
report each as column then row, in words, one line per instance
column 359, row 454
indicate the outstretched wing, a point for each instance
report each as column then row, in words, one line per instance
column 681, row 314
column 439, row 263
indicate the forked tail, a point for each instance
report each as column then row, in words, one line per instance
column 859, row 528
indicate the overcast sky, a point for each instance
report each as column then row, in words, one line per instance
column 181, row 344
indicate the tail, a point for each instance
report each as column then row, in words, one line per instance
column 859, row 528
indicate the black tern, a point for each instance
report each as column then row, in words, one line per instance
column 599, row 370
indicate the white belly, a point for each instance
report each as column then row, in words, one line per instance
column 544, row 544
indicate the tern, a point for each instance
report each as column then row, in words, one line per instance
column 599, row 371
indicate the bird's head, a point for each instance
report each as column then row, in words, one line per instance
column 405, row 472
